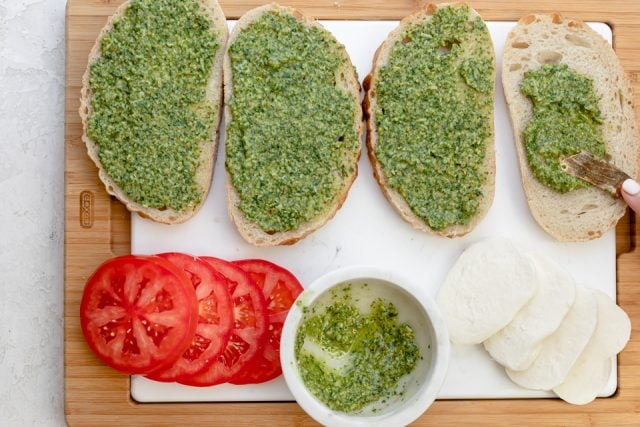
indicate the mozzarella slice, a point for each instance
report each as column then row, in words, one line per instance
column 517, row 345
column 591, row 371
column 560, row 350
column 585, row 380
column 491, row 281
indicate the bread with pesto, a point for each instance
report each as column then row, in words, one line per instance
column 272, row 198
column 154, row 199
column 544, row 41
column 437, row 117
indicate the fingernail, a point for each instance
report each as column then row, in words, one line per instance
column 631, row 187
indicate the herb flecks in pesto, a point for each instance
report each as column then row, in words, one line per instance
column 291, row 142
column 435, row 103
column 566, row 120
column 150, row 112
column 349, row 359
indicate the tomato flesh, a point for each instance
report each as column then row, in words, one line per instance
column 280, row 289
column 249, row 331
column 137, row 313
column 215, row 318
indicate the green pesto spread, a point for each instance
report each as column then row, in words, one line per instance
column 348, row 358
column 150, row 113
column 291, row 142
column 434, row 116
column 566, row 120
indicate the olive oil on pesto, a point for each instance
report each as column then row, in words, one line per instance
column 566, row 120
column 370, row 352
column 150, row 113
column 434, row 116
column 291, row 126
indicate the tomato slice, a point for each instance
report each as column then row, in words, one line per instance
column 250, row 327
column 280, row 288
column 138, row 313
column 215, row 318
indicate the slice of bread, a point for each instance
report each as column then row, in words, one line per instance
column 208, row 148
column 347, row 80
column 586, row 213
column 370, row 103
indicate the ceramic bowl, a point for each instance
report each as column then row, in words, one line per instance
column 415, row 307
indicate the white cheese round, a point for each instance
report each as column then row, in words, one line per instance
column 490, row 282
column 560, row 350
column 591, row 371
column 517, row 345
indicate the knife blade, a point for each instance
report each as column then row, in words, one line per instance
column 598, row 172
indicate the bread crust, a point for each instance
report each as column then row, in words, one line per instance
column 380, row 59
column 208, row 148
column 347, row 78
column 587, row 213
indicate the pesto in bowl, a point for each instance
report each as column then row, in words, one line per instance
column 352, row 351
column 363, row 346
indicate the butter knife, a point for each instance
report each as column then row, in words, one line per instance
column 598, row 172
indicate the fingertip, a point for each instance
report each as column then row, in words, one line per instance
column 631, row 187
column 631, row 194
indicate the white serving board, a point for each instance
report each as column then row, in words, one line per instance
column 367, row 230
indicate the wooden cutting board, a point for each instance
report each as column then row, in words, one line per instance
column 97, row 227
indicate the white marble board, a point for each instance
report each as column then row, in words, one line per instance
column 368, row 231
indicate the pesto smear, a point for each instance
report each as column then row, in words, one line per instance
column 434, row 116
column 291, row 142
column 566, row 120
column 150, row 113
column 348, row 358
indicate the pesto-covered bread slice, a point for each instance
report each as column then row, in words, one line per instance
column 151, row 101
column 293, row 125
column 429, row 108
column 567, row 92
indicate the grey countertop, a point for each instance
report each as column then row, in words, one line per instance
column 31, row 211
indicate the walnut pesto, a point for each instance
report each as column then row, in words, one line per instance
column 150, row 111
column 348, row 358
column 566, row 120
column 292, row 141
column 434, row 116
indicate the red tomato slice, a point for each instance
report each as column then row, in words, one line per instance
column 138, row 313
column 280, row 288
column 250, row 327
column 215, row 318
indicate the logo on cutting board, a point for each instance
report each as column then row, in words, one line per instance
column 86, row 209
